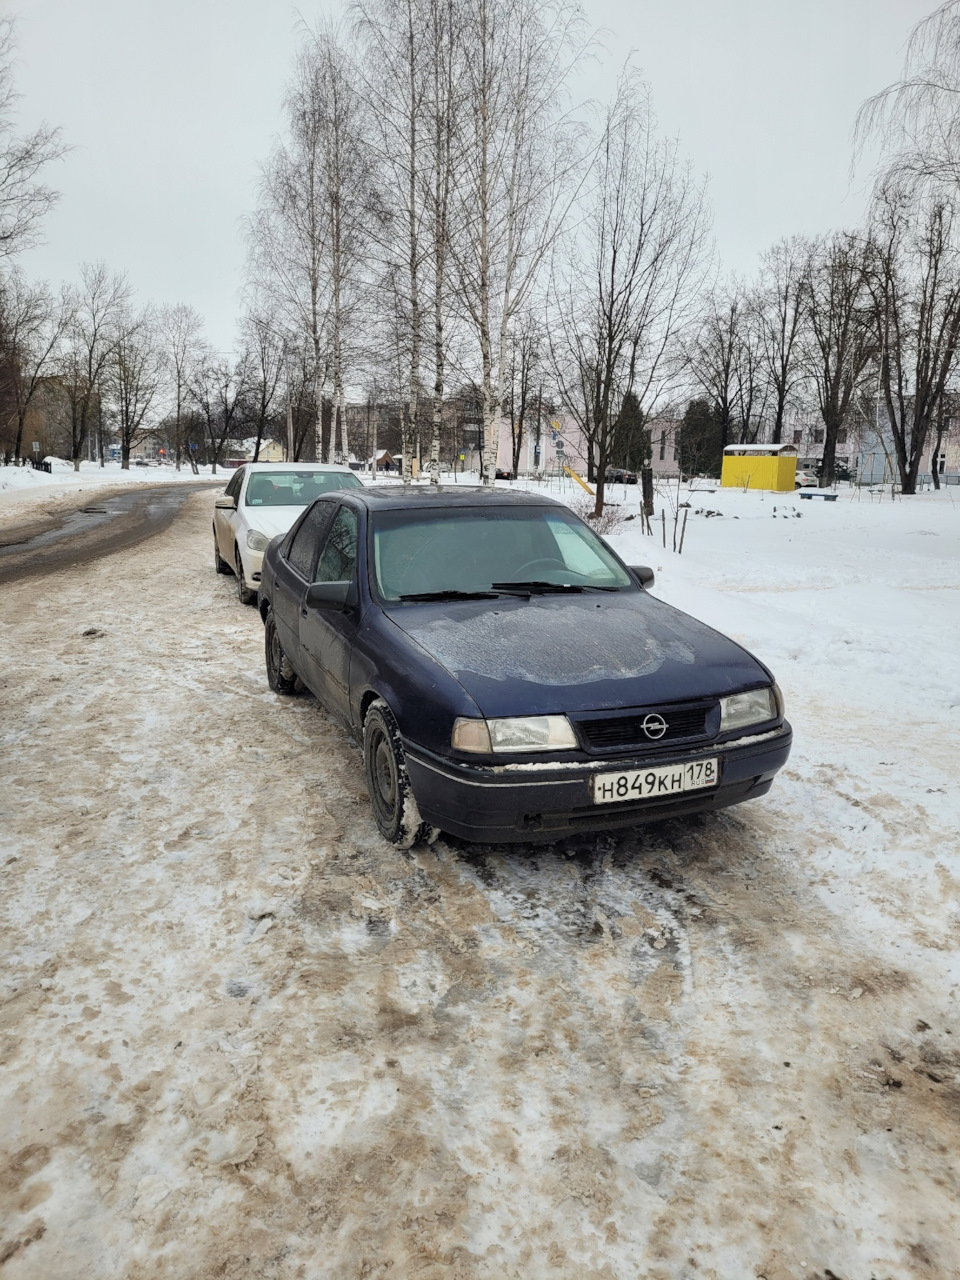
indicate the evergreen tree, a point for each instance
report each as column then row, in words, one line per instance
column 701, row 449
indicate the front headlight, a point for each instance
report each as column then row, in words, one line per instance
column 740, row 710
column 257, row 541
column 517, row 733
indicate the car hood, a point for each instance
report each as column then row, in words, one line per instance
column 270, row 520
column 577, row 653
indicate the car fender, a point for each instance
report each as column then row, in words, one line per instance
column 424, row 697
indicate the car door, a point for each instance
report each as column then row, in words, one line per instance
column 292, row 573
column 224, row 520
column 327, row 634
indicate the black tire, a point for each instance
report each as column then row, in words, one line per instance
column 280, row 675
column 219, row 563
column 394, row 807
column 244, row 594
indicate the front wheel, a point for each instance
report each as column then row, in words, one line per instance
column 280, row 674
column 394, row 807
column 244, row 594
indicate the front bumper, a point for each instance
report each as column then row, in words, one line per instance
column 252, row 566
column 544, row 801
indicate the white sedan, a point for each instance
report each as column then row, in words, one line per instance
column 262, row 500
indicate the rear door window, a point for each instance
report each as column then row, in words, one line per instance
column 306, row 541
column 338, row 560
column 236, row 480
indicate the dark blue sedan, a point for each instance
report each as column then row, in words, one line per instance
column 509, row 677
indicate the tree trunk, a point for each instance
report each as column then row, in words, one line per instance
column 646, row 487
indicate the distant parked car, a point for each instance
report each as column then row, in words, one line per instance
column 262, row 500
column 620, row 475
column 503, row 475
column 509, row 677
column 805, row 480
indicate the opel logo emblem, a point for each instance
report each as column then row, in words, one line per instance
column 654, row 726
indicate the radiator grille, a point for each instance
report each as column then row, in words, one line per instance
column 605, row 732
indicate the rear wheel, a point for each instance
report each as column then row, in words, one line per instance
column 280, row 674
column 244, row 594
column 219, row 563
column 394, row 807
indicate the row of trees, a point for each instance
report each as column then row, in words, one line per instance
column 847, row 326
column 437, row 213
column 860, row 327
column 86, row 367
column 437, row 216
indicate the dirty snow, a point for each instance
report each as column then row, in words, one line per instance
column 26, row 494
column 242, row 1037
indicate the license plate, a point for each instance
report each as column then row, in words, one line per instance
column 644, row 784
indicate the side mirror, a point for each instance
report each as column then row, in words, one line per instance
column 329, row 595
column 643, row 575
column 226, row 504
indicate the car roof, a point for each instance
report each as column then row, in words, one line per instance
column 295, row 466
column 393, row 496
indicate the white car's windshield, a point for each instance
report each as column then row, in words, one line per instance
column 418, row 552
column 295, row 488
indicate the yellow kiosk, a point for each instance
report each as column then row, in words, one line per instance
column 760, row 466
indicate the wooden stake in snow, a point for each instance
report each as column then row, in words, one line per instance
column 683, row 530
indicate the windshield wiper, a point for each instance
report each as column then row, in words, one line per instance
column 537, row 587
column 450, row 595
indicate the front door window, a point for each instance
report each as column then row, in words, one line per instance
column 338, row 559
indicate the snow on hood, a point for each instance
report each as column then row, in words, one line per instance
column 272, row 520
column 578, row 652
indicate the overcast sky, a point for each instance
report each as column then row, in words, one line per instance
column 171, row 105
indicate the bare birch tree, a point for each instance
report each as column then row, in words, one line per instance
column 311, row 234
column 180, row 331
column 396, row 75
column 92, row 336
column 519, row 161
column 631, row 277
column 443, row 108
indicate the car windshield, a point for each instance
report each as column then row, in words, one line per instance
column 295, row 488
column 450, row 551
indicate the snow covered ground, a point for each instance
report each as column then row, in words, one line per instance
column 242, row 1037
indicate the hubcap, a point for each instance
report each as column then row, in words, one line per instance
column 385, row 774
